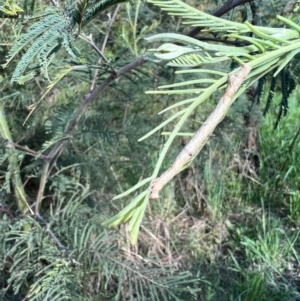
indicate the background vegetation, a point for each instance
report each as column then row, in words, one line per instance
column 227, row 228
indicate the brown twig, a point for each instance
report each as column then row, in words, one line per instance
column 111, row 20
column 88, row 99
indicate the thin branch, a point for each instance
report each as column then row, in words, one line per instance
column 28, row 151
column 48, row 229
column 2, row 24
column 95, row 93
column 88, row 99
column 54, row 163
column 90, row 41
column 55, row 3
column 42, row 185
column 111, row 20
column 198, row 141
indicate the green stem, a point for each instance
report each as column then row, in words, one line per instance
column 274, row 54
column 13, row 163
column 209, row 91
column 42, row 187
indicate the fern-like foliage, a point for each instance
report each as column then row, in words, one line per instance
column 259, row 90
column 288, row 85
column 56, row 127
column 192, row 16
column 270, row 94
column 52, row 29
column 71, row 257
column 93, row 8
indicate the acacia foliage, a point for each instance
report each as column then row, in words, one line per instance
column 84, row 253
column 62, row 251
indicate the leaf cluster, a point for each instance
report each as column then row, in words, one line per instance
column 52, row 28
column 70, row 249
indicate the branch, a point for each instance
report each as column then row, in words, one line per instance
column 111, row 20
column 14, row 166
column 92, row 96
column 198, row 141
column 27, row 150
column 54, row 237
column 88, row 99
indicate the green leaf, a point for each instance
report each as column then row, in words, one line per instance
column 134, row 188
column 122, row 215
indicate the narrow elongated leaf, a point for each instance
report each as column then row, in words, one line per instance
column 134, row 188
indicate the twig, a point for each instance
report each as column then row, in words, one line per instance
column 28, row 151
column 111, row 20
column 54, row 163
column 2, row 24
column 88, row 99
column 55, row 3
column 90, row 41
column 42, row 186
column 95, row 93
column 198, row 141
column 57, row 241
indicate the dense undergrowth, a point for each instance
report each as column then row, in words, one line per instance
column 239, row 226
